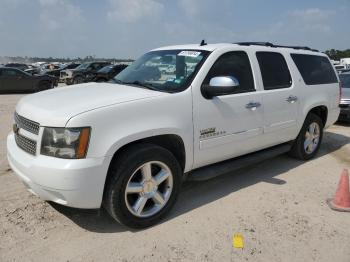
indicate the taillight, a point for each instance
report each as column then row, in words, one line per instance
column 340, row 92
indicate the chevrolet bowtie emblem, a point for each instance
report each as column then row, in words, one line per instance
column 15, row 128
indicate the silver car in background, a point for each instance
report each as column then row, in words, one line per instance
column 345, row 97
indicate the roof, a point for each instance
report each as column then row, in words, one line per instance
column 245, row 45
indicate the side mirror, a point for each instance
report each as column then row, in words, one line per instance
column 220, row 86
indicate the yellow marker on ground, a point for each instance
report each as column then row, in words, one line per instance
column 238, row 241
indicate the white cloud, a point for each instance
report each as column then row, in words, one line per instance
column 131, row 11
column 59, row 14
column 312, row 19
column 190, row 7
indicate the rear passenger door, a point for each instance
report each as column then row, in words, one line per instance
column 279, row 98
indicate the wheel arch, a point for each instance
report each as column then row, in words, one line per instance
column 321, row 111
column 173, row 143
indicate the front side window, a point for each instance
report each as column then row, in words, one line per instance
column 10, row 72
column 274, row 70
column 164, row 70
column 234, row 64
column 314, row 69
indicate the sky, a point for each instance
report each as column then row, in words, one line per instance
column 128, row 28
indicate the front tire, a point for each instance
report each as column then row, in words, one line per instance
column 309, row 139
column 142, row 185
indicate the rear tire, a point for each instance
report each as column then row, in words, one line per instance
column 309, row 139
column 78, row 80
column 142, row 186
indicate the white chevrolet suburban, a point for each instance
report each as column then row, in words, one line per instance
column 128, row 144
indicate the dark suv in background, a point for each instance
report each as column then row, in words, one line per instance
column 108, row 72
column 86, row 72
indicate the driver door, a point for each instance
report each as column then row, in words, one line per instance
column 14, row 80
column 230, row 125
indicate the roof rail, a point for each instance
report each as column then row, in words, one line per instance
column 268, row 44
column 255, row 43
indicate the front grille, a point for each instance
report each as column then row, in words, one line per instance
column 25, row 144
column 27, row 124
column 344, row 105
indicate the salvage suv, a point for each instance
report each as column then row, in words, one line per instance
column 127, row 145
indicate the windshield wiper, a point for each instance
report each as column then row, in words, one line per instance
column 138, row 83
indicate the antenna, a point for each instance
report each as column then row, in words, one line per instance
column 203, row 43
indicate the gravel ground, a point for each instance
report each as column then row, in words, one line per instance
column 278, row 206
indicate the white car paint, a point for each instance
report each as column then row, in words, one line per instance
column 119, row 115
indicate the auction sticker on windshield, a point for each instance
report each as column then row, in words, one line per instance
column 189, row 53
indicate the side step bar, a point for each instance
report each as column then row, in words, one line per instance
column 221, row 168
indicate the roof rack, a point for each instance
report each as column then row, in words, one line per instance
column 268, row 44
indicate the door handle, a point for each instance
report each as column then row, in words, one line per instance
column 292, row 99
column 252, row 105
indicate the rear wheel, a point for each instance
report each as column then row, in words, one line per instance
column 309, row 139
column 78, row 80
column 143, row 185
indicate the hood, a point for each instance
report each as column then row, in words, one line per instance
column 56, row 106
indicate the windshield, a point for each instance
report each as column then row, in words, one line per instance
column 165, row 70
column 106, row 69
column 345, row 80
column 83, row 66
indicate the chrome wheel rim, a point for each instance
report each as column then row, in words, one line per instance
column 312, row 138
column 149, row 189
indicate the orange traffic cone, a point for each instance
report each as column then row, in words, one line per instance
column 341, row 200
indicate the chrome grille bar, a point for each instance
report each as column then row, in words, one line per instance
column 27, row 124
column 26, row 144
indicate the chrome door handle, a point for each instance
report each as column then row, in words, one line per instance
column 292, row 99
column 252, row 105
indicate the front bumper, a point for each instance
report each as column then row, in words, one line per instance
column 72, row 182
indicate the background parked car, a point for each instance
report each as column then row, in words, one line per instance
column 345, row 98
column 13, row 80
column 56, row 72
column 84, row 73
column 108, row 72
column 18, row 66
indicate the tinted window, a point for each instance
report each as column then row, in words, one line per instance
column 315, row 70
column 274, row 70
column 345, row 80
column 234, row 64
column 10, row 72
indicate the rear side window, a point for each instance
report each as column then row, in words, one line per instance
column 234, row 64
column 315, row 70
column 274, row 70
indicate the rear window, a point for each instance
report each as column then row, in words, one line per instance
column 315, row 70
column 345, row 80
column 274, row 70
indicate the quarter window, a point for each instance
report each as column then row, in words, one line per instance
column 315, row 70
column 234, row 64
column 274, row 70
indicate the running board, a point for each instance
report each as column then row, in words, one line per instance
column 221, row 168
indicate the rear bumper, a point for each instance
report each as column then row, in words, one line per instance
column 74, row 183
column 345, row 113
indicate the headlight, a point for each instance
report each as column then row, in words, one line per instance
column 65, row 142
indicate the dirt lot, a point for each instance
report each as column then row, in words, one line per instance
column 278, row 206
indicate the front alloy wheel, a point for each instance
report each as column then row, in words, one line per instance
column 149, row 189
column 142, row 185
